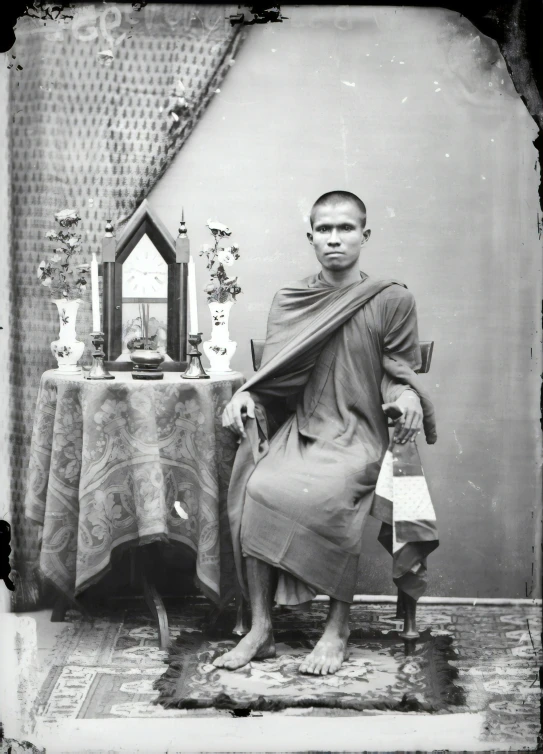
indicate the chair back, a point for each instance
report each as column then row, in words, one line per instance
column 257, row 349
column 426, row 351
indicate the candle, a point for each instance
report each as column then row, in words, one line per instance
column 95, row 294
column 193, row 307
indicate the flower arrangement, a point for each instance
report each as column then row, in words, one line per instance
column 222, row 288
column 64, row 278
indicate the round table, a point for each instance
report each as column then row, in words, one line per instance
column 109, row 460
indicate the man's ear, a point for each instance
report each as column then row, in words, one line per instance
column 367, row 234
column 310, row 238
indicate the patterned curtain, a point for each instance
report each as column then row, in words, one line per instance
column 99, row 107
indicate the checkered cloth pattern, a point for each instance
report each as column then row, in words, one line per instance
column 409, row 529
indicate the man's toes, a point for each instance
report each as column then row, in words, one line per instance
column 226, row 661
column 307, row 666
column 318, row 667
column 327, row 667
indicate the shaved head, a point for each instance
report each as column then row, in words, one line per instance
column 333, row 198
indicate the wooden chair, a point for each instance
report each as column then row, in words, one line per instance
column 406, row 606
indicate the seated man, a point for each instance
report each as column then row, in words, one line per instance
column 339, row 345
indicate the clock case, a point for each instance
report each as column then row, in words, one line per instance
column 176, row 255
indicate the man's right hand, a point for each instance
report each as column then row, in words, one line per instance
column 236, row 413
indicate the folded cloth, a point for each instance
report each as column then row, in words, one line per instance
column 409, row 529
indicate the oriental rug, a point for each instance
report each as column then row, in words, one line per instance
column 112, row 667
column 382, row 672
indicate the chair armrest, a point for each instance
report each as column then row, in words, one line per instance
column 426, row 351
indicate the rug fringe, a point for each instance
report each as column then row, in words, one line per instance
column 262, row 704
column 450, row 693
column 166, row 684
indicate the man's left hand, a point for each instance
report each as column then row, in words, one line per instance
column 409, row 423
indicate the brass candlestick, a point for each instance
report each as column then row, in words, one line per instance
column 98, row 370
column 195, row 370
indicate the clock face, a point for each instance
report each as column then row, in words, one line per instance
column 145, row 281
column 145, row 273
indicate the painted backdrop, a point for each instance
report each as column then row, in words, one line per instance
column 413, row 110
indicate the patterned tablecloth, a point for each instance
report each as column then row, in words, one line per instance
column 108, row 461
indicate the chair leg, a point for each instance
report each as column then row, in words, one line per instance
column 410, row 619
column 242, row 626
column 400, row 606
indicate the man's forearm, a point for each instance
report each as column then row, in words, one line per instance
column 391, row 389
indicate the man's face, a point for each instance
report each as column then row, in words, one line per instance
column 338, row 236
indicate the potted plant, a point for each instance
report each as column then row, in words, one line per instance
column 143, row 351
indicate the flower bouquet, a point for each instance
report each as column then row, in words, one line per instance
column 221, row 295
column 66, row 282
column 222, row 288
column 64, row 279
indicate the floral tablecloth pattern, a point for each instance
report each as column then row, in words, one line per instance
column 109, row 460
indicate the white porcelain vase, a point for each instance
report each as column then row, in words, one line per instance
column 220, row 349
column 67, row 349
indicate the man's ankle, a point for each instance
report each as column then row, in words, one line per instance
column 340, row 631
column 262, row 627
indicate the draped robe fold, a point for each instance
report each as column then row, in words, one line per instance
column 304, row 478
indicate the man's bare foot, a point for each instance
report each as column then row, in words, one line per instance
column 257, row 645
column 327, row 656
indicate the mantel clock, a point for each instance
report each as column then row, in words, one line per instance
column 144, row 268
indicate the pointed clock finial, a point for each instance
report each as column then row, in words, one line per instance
column 182, row 244
column 109, row 243
column 182, row 226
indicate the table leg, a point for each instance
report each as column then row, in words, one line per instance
column 152, row 597
column 59, row 610
column 61, row 606
column 133, row 569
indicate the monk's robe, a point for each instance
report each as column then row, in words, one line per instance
column 303, row 480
